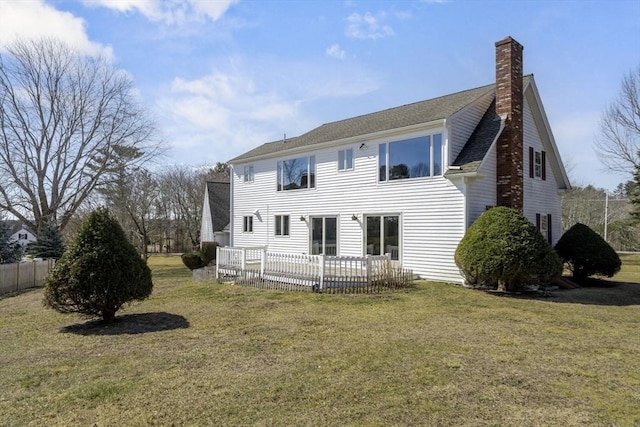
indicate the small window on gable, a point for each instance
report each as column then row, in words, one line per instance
column 345, row 159
column 247, row 226
column 282, row 225
column 248, row 174
column 22, row 236
column 537, row 164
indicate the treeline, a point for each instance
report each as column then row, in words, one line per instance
column 160, row 211
column 592, row 207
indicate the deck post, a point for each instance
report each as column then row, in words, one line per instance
column 321, row 260
column 243, row 259
column 368, row 267
column 263, row 260
column 217, row 261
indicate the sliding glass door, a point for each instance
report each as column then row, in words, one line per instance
column 383, row 235
column 324, row 236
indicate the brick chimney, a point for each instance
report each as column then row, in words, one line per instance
column 509, row 102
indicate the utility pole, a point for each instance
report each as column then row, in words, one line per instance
column 606, row 213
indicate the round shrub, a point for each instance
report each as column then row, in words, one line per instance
column 502, row 248
column 99, row 273
column 587, row 254
column 192, row 260
column 208, row 252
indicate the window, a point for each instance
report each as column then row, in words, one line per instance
column 282, row 225
column 383, row 235
column 247, row 226
column 345, row 159
column 411, row 158
column 544, row 226
column 537, row 164
column 324, row 236
column 22, row 236
column 296, row 174
column 248, row 174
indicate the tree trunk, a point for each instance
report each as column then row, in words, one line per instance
column 502, row 286
column 108, row 315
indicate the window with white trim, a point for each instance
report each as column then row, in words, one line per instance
column 345, row 159
column 282, row 225
column 411, row 158
column 22, row 236
column 296, row 174
column 247, row 226
column 383, row 235
column 544, row 226
column 248, row 174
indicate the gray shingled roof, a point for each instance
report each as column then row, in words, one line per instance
column 478, row 143
column 476, row 147
column 393, row 118
column 219, row 203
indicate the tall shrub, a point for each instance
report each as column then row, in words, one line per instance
column 587, row 254
column 99, row 273
column 505, row 249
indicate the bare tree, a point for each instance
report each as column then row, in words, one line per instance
column 67, row 123
column 619, row 141
column 183, row 188
column 132, row 198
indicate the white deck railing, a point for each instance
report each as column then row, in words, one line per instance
column 302, row 269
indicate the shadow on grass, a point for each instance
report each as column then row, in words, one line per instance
column 131, row 324
column 598, row 292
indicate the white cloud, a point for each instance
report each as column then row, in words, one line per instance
column 36, row 19
column 171, row 12
column 335, row 51
column 229, row 111
column 367, row 26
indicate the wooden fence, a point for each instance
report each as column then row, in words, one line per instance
column 258, row 267
column 23, row 275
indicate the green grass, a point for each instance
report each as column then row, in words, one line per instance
column 204, row 354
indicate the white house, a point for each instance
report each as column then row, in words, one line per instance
column 215, row 213
column 19, row 233
column 408, row 180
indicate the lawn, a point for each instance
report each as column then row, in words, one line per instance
column 437, row 354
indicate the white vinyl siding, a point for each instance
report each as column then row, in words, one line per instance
column 431, row 209
column 481, row 191
column 539, row 196
column 463, row 123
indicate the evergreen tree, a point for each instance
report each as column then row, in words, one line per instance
column 504, row 248
column 49, row 243
column 99, row 273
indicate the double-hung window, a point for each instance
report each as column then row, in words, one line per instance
column 247, row 226
column 297, row 174
column 537, row 164
column 544, row 226
column 282, row 225
column 411, row 158
column 248, row 174
column 345, row 159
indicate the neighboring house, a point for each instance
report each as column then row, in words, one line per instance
column 215, row 213
column 19, row 233
column 407, row 181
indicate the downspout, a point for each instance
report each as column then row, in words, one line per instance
column 231, row 208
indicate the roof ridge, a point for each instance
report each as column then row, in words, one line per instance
column 403, row 106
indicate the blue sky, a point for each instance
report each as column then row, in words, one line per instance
column 222, row 77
